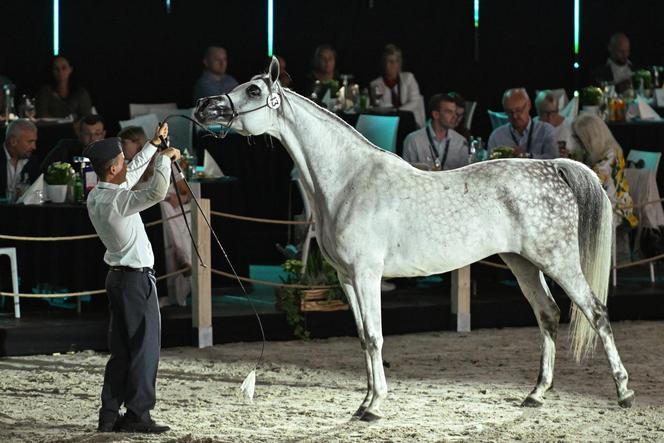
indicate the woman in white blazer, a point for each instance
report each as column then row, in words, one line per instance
column 398, row 89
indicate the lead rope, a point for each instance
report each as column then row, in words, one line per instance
column 248, row 385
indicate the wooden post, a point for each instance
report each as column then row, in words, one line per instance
column 201, row 282
column 461, row 298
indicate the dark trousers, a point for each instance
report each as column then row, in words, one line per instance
column 134, row 337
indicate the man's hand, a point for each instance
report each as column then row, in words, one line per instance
column 161, row 131
column 172, row 153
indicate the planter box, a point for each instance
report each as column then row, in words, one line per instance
column 314, row 300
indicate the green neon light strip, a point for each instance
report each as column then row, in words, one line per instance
column 270, row 26
column 576, row 27
column 56, row 27
column 477, row 13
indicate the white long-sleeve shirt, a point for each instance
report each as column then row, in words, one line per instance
column 114, row 211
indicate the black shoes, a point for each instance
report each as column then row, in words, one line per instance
column 130, row 423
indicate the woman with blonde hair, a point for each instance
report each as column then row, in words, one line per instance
column 605, row 156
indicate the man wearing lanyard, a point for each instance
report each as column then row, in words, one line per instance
column 529, row 138
column 437, row 146
column 135, row 325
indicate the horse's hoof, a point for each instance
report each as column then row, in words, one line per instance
column 359, row 413
column 627, row 400
column 369, row 417
column 530, row 402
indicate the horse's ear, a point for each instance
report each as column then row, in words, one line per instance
column 274, row 70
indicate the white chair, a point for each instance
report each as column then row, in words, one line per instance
column 11, row 253
column 381, row 130
column 148, row 122
column 497, row 119
column 181, row 130
column 136, row 109
column 470, row 112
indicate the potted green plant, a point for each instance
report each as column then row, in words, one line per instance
column 295, row 301
column 591, row 99
column 58, row 177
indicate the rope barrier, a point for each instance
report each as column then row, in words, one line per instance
column 271, row 283
column 82, row 293
column 260, row 220
column 78, row 237
column 492, row 264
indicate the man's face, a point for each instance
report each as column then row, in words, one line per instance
column 547, row 113
column 216, row 61
column 130, row 148
column 22, row 144
column 619, row 51
column 119, row 168
column 517, row 108
column 392, row 66
column 92, row 133
column 445, row 115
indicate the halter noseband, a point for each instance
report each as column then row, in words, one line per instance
column 235, row 114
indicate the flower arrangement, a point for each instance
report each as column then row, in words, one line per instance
column 59, row 173
column 503, row 152
column 318, row 273
column 642, row 75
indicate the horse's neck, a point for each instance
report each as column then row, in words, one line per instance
column 326, row 150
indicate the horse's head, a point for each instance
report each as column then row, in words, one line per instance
column 249, row 109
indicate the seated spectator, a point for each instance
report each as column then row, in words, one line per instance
column 63, row 97
column 618, row 68
column 132, row 139
column 604, row 155
column 323, row 76
column 18, row 166
column 460, row 123
column 528, row 137
column 396, row 88
column 547, row 111
column 214, row 80
column 3, row 81
column 437, row 146
column 89, row 129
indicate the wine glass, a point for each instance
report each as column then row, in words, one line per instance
column 377, row 93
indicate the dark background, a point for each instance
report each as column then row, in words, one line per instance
column 133, row 51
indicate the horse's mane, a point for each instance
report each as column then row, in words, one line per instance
column 326, row 116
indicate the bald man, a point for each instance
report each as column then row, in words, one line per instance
column 18, row 166
column 618, row 68
column 530, row 138
column 214, row 80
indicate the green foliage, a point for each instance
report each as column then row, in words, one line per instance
column 503, row 152
column 642, row 74
column 59, row 173
column 318, row 273
column 591, row 96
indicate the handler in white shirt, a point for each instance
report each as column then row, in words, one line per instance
column 437, row 146
column 135, row 327
column 398, row 89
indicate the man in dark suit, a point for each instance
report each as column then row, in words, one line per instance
column 89, row 129
column 618, row 68
column 18, row 167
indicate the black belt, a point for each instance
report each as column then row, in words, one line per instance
column 145, row 270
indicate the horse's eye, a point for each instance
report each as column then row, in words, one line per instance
column 253, row 91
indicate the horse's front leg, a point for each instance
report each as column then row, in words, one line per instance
column 367, row 292
column 347, row 286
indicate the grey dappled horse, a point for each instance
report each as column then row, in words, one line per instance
column 378, row 216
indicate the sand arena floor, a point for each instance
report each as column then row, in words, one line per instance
column 444, row 386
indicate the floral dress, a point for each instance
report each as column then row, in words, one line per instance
column 611, row 172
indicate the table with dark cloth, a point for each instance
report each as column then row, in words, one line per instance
column 641, row 135
column 406, row 123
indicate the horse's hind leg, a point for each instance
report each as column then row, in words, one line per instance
column 347, row 286
column 547, row 313
column 595, row 311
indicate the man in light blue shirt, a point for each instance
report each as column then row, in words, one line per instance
column 135, row 325
column 534, row 139
column 214, row 80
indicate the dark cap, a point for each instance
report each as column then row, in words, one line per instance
column 102, row 151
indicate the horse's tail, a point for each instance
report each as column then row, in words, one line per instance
column 595, row 233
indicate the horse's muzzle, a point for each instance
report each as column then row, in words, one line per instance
column 213, row 110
